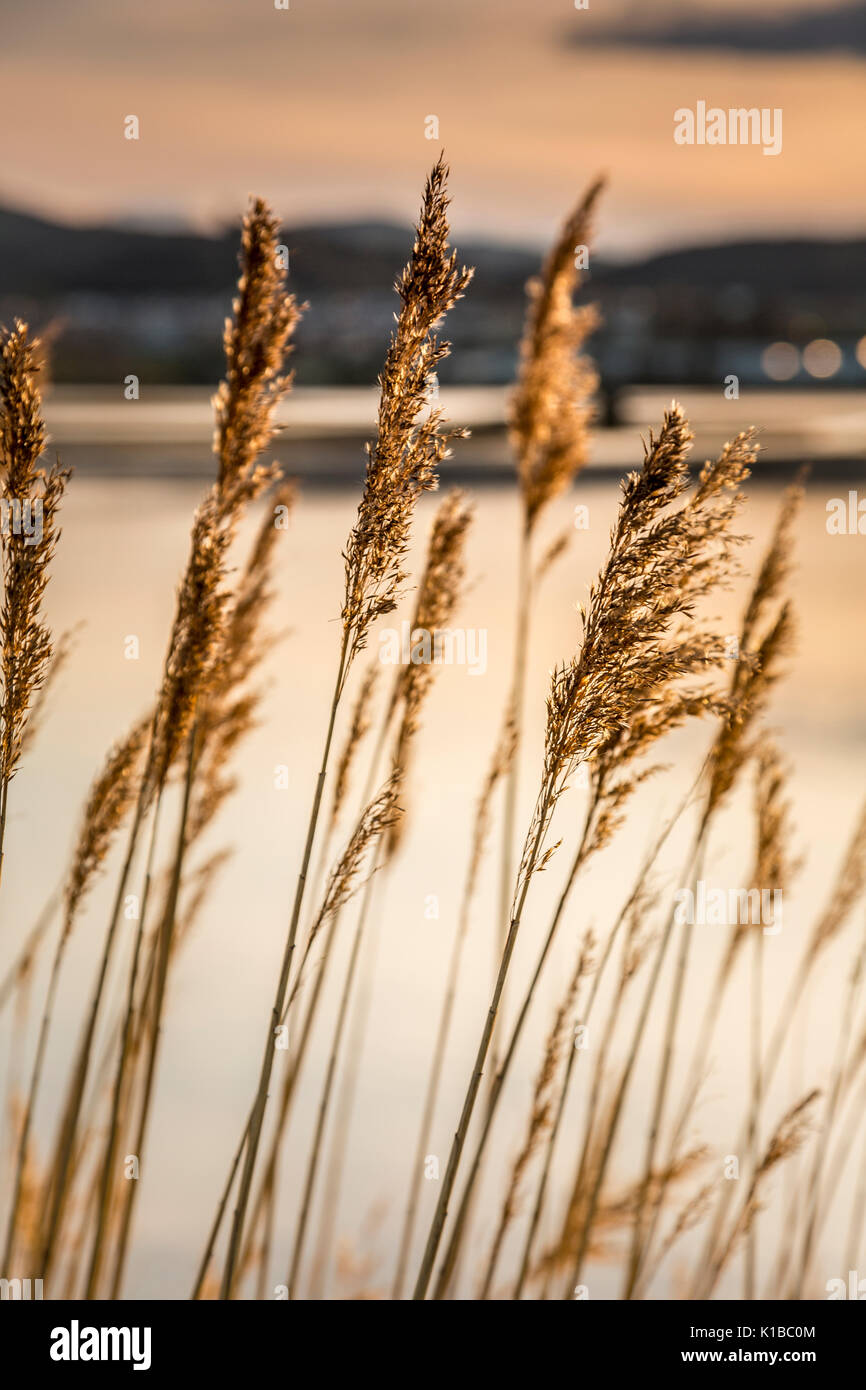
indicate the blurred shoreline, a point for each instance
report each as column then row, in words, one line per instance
column 167, row 432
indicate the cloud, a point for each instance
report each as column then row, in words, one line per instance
column 837, row 29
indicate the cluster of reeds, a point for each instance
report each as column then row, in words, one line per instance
column 648, row 658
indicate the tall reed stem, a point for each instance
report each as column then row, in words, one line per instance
column 345, row 1107
column 325, row 1099
column 258, row 1111
column 459, row 1141
column 499, row 1079
column 822, row 1140
column 164, row 946
column 625, row 1078
column 514, row 714
column 755, row 1051
column 662, row 1083
column 110, row 1151
column 69, row 1125
column 36, row 1076
column 432, row 1094
column 585, row 1016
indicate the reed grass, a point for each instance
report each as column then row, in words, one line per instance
column 401, row 466
column 111, row 798
column 650, row 659
column 620, row 693
column 26, row 650
column 550, row 411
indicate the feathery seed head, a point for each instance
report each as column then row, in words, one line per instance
column 438, row 595
column 257, row 340
column 550, row 409
column 623, row 689
column 25, row 640
column 112, row 796
column 409, row 445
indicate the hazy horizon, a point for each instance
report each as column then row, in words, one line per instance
column 321, row 108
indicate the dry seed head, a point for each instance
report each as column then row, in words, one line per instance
column 346, row 877
column 359, row 727
column 60, row 655
column 229, row 709
column 503, row 755
column 787, row 1139
column 557, row 548
column 773, row 861
column 847, row 890
column 438, row 595
column 22, row 431
column 766, row 639
column 257, row 339
column 623, row 688
column 194, row 642
column 551, row 408
column 25, row 641
column 256, row 342
column 111, row 797
column 638, row 940
column 409, row 445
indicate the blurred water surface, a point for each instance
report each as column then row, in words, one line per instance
column 123, row 546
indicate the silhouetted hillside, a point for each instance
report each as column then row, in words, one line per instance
column 120, row 301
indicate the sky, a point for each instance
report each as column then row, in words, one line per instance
column 323, row 107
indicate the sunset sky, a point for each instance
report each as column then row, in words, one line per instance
column 322, row 109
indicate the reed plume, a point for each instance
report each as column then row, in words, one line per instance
column 638, row 645
column 549, row 415
column 439, row 591
column 359, row 726
column 60, row 654
column 265, row 317
column 787, row 1138
column 847, row 890
column 28, row 547
column 550, row 409
column 401, row 465
column 410, row 444
column 111, row 798
column 765, row 640
column 225, row 712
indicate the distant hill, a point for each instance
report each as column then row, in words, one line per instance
column 41, row 258
column 122, row 300
column 837, row 28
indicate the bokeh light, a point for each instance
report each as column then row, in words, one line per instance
column 780, row 361
column 822, row 357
